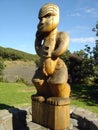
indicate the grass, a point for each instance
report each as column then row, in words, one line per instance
column 85, row 96
column 19, row 95
column 15, row 95
column 82, row 104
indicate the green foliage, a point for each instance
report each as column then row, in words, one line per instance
column 87, row 64
column 12, row 54
column 65, row 57
column 95, row 53
column 80, row 65
column 2, row 66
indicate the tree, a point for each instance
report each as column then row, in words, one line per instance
column 95, row 53
column 80, row 65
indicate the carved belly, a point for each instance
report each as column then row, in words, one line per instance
column 50, row 65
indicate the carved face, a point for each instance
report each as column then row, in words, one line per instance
column 49, row 18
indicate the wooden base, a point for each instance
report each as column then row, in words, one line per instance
column 55, row 117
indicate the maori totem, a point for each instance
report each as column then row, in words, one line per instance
column 50, row 79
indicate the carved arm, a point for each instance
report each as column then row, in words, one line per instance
column 62, row 44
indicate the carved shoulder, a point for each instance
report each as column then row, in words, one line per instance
column 63, row 39
column 61, row 43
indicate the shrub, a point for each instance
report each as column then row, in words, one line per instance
column 2, row 66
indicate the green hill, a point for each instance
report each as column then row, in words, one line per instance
column 12, row 54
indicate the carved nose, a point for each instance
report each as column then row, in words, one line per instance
column 43, row 20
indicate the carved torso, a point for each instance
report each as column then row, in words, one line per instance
column 48, row 47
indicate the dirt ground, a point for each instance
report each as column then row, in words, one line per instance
column 16, row 70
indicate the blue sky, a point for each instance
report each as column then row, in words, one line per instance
column 19, row 18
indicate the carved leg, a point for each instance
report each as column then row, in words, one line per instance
column 42, row 87
column 38, row 84
column 60, row 90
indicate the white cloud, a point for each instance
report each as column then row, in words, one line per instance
column 83, row 40
column 93, row 12
column 79, row 30
column 74, row 14
column 89, row 10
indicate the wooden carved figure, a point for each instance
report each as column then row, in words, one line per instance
column 50, row 79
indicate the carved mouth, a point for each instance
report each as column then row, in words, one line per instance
column 40, row 26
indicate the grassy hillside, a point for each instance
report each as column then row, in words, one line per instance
column 18, row 65
column 12, row 54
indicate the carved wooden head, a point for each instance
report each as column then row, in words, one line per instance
column 49, row 17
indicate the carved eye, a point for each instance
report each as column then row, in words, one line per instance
column 48, row 15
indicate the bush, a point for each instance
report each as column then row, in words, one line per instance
column 2, row 66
